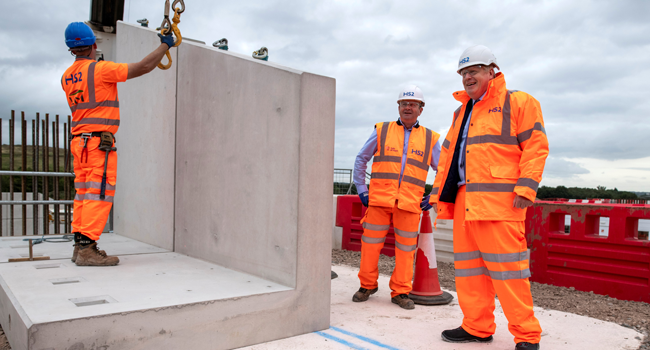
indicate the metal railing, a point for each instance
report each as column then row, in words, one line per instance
column 343, row 181
column 50, row 175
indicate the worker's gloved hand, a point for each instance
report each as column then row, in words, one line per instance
column 364, row 198
column 424, row 205
column 167, row 39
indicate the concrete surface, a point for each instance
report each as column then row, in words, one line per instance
column 379, row 324
column 144, row 197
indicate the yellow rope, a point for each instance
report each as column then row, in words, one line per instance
column 177, row 33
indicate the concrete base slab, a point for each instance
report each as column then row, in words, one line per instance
column 113, row 244
column 379, row 324
column 136, row 304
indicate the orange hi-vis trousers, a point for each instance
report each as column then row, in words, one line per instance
column 376, row 223
column 90, row 212
column 489, row 257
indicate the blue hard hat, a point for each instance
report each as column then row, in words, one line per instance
column 79, row 34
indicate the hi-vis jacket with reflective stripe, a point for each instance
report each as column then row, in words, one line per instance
column 91, row 88
column 505, row 154
column 387, row 165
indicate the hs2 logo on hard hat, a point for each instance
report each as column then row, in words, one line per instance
column 464, row 60
column 419, row 153
column 495, row 110
column 409, row 94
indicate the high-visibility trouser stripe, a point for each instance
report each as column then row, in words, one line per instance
column 435, row 190
column 495, row 275
column 492, row 257
column 527, row 182
column 524, row 136
column 416, row 163
column 489, row 187
column 406, row 234
column 498, row 139
column 93, row 184
column 446, row 144
column 92, row 105
column 96, row 121
column 414, row 181
column 373, row 240
column 79, row 197
column 374, row 227
column 404, row 247
column 382, row 139
column 95, row 197
column 390, row 159
column 385, row 176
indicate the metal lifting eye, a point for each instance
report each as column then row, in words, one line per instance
column 182, row 6
column 261, row 54
column 221, row 44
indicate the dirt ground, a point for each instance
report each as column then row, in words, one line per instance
column 631, row 314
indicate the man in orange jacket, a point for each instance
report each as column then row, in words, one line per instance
column 491, row 164
column 403, row 151
column 91, row 91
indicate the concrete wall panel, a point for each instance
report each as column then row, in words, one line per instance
column 144, row 199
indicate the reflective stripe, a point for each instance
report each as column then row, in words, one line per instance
column 526, row 182
column 489, row 187
column 95, row 197
column 524, row 136
column 91, row 105
column 456, row 114
column 446, row 143
column 79, row 185
column 98, row 185
column 98, row 121
column 382, row 139
column 385, row 176
column 374, row 227
column 406, row 234
column 505, row 121
column 413, row 180
column 405, row 248
column 467, row 256
column 417, row 163
column 506, row 257
column 79, row 197
column 435, row 190
column 424, row 164
column 393, row 159
column 373, row 240
column 498, row 139
column 475, row 271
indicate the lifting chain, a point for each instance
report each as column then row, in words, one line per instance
column 166, row 27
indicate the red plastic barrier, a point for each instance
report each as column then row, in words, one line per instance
column 349, row 212
column 616, row 264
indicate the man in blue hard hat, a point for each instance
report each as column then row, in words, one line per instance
column 91, row 91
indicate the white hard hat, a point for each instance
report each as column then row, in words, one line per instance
column 411, row 92
column 475, row 55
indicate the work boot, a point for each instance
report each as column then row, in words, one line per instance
column 527, row 346
column 75, row 251
column 89, row 255
column 403, row 301
column 459, row 335
column 363, row 294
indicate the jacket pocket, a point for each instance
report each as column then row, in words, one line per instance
column 505, row 172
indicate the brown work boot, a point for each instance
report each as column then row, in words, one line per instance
column 363, row 294
column 89, row 255
column 75, row 252
column 403, row 301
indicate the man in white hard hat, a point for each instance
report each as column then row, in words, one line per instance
column 491, row 164
column 402, row 152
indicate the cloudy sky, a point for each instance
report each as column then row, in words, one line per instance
column 587, row 62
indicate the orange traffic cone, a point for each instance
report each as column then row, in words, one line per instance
column 426, row 287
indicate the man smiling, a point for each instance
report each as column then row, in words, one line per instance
column 490, row 167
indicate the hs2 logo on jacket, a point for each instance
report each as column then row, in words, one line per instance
column 495, row 110
column 419, row 153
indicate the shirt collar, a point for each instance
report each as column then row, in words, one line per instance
column 416, row 125
column 480, row 98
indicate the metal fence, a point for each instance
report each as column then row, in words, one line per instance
column 40, row 168
column 343, row 181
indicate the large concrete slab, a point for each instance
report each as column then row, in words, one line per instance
column 379, row 324
column 144, row 197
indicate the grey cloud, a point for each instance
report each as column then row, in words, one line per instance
column 563, row 168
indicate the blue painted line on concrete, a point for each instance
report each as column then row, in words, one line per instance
column 339, row 340
column 366, row 339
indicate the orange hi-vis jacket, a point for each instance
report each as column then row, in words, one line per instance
column 506, row 150
column 91, row 88
column 385, row 188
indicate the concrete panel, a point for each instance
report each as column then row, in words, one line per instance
column 144, row 200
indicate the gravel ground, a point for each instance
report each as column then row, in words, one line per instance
column 631, row 314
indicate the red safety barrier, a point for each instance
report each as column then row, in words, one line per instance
column 616, row 264
column 349, row 212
